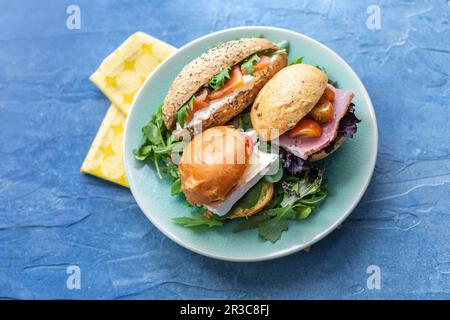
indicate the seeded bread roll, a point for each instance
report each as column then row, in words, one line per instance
column 200, row 71
column 286, row 98
column 323, row 154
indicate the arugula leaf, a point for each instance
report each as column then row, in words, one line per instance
column 143, row 152
column 250, row 198
column 295, row 199
column 245, row 121
column 299, row 60
column 152, row 132
column 300, row 211
column 176, row 187
column 275, row 177
column 158, row 145
column 251, row 223
column 170, row 169
column 181, row 114
column 283, row 45
column 218, row 80
column 316, row 198
column 330, row 81
column 280, row 213
column 197, row 220
column 242, row 121
column 248, row 63
column 299, row 188
column 271, row 230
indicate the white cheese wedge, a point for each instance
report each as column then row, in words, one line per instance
column 260, row 163
column 205, row 113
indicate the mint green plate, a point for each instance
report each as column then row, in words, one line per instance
column 348, row 171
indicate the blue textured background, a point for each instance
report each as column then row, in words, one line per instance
column 51, row 216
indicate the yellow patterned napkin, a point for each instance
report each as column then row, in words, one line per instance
column 119, row 77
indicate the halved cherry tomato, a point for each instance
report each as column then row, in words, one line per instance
column 200, row 102
column 306, row 128
column 262, row 64
column 323, row 111
column 234, row 82
column 329, row 94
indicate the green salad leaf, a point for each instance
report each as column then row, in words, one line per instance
column 283, row 47
column 181, row 114
column 330, row 81
column 298, row 60
column 275, row 177
column 250, row 198
column 272, row 229
column 158, row 145
column 218, row 80
column 197, row 220
column 251, row 223
column 242, row 121
column 295, row 199
column 248, row 63
column 176, row 187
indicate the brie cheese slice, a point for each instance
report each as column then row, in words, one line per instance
column 260, row 163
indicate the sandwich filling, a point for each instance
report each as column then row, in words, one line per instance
column 223, row 88
column 248, row 82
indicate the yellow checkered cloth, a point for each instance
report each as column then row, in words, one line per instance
column 119, row 77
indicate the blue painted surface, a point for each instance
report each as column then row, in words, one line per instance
column 51, row 216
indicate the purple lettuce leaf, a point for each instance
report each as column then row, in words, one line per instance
column 347, row 125
column 294, row 165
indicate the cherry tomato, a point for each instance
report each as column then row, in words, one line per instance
column 329, row 94
column 234, row 82
column 306, row 128
column 200, row 102
column 322, row 112
column 262, row 64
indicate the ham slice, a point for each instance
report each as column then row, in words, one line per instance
column 303, row 147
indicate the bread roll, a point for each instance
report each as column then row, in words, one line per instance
column 286, row 98
column 212, row 164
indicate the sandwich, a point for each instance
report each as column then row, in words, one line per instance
column 219, row 166
column 221, row 83
column 302, row 113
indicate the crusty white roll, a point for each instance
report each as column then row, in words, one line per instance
column 199, row 72
column 212, row 164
